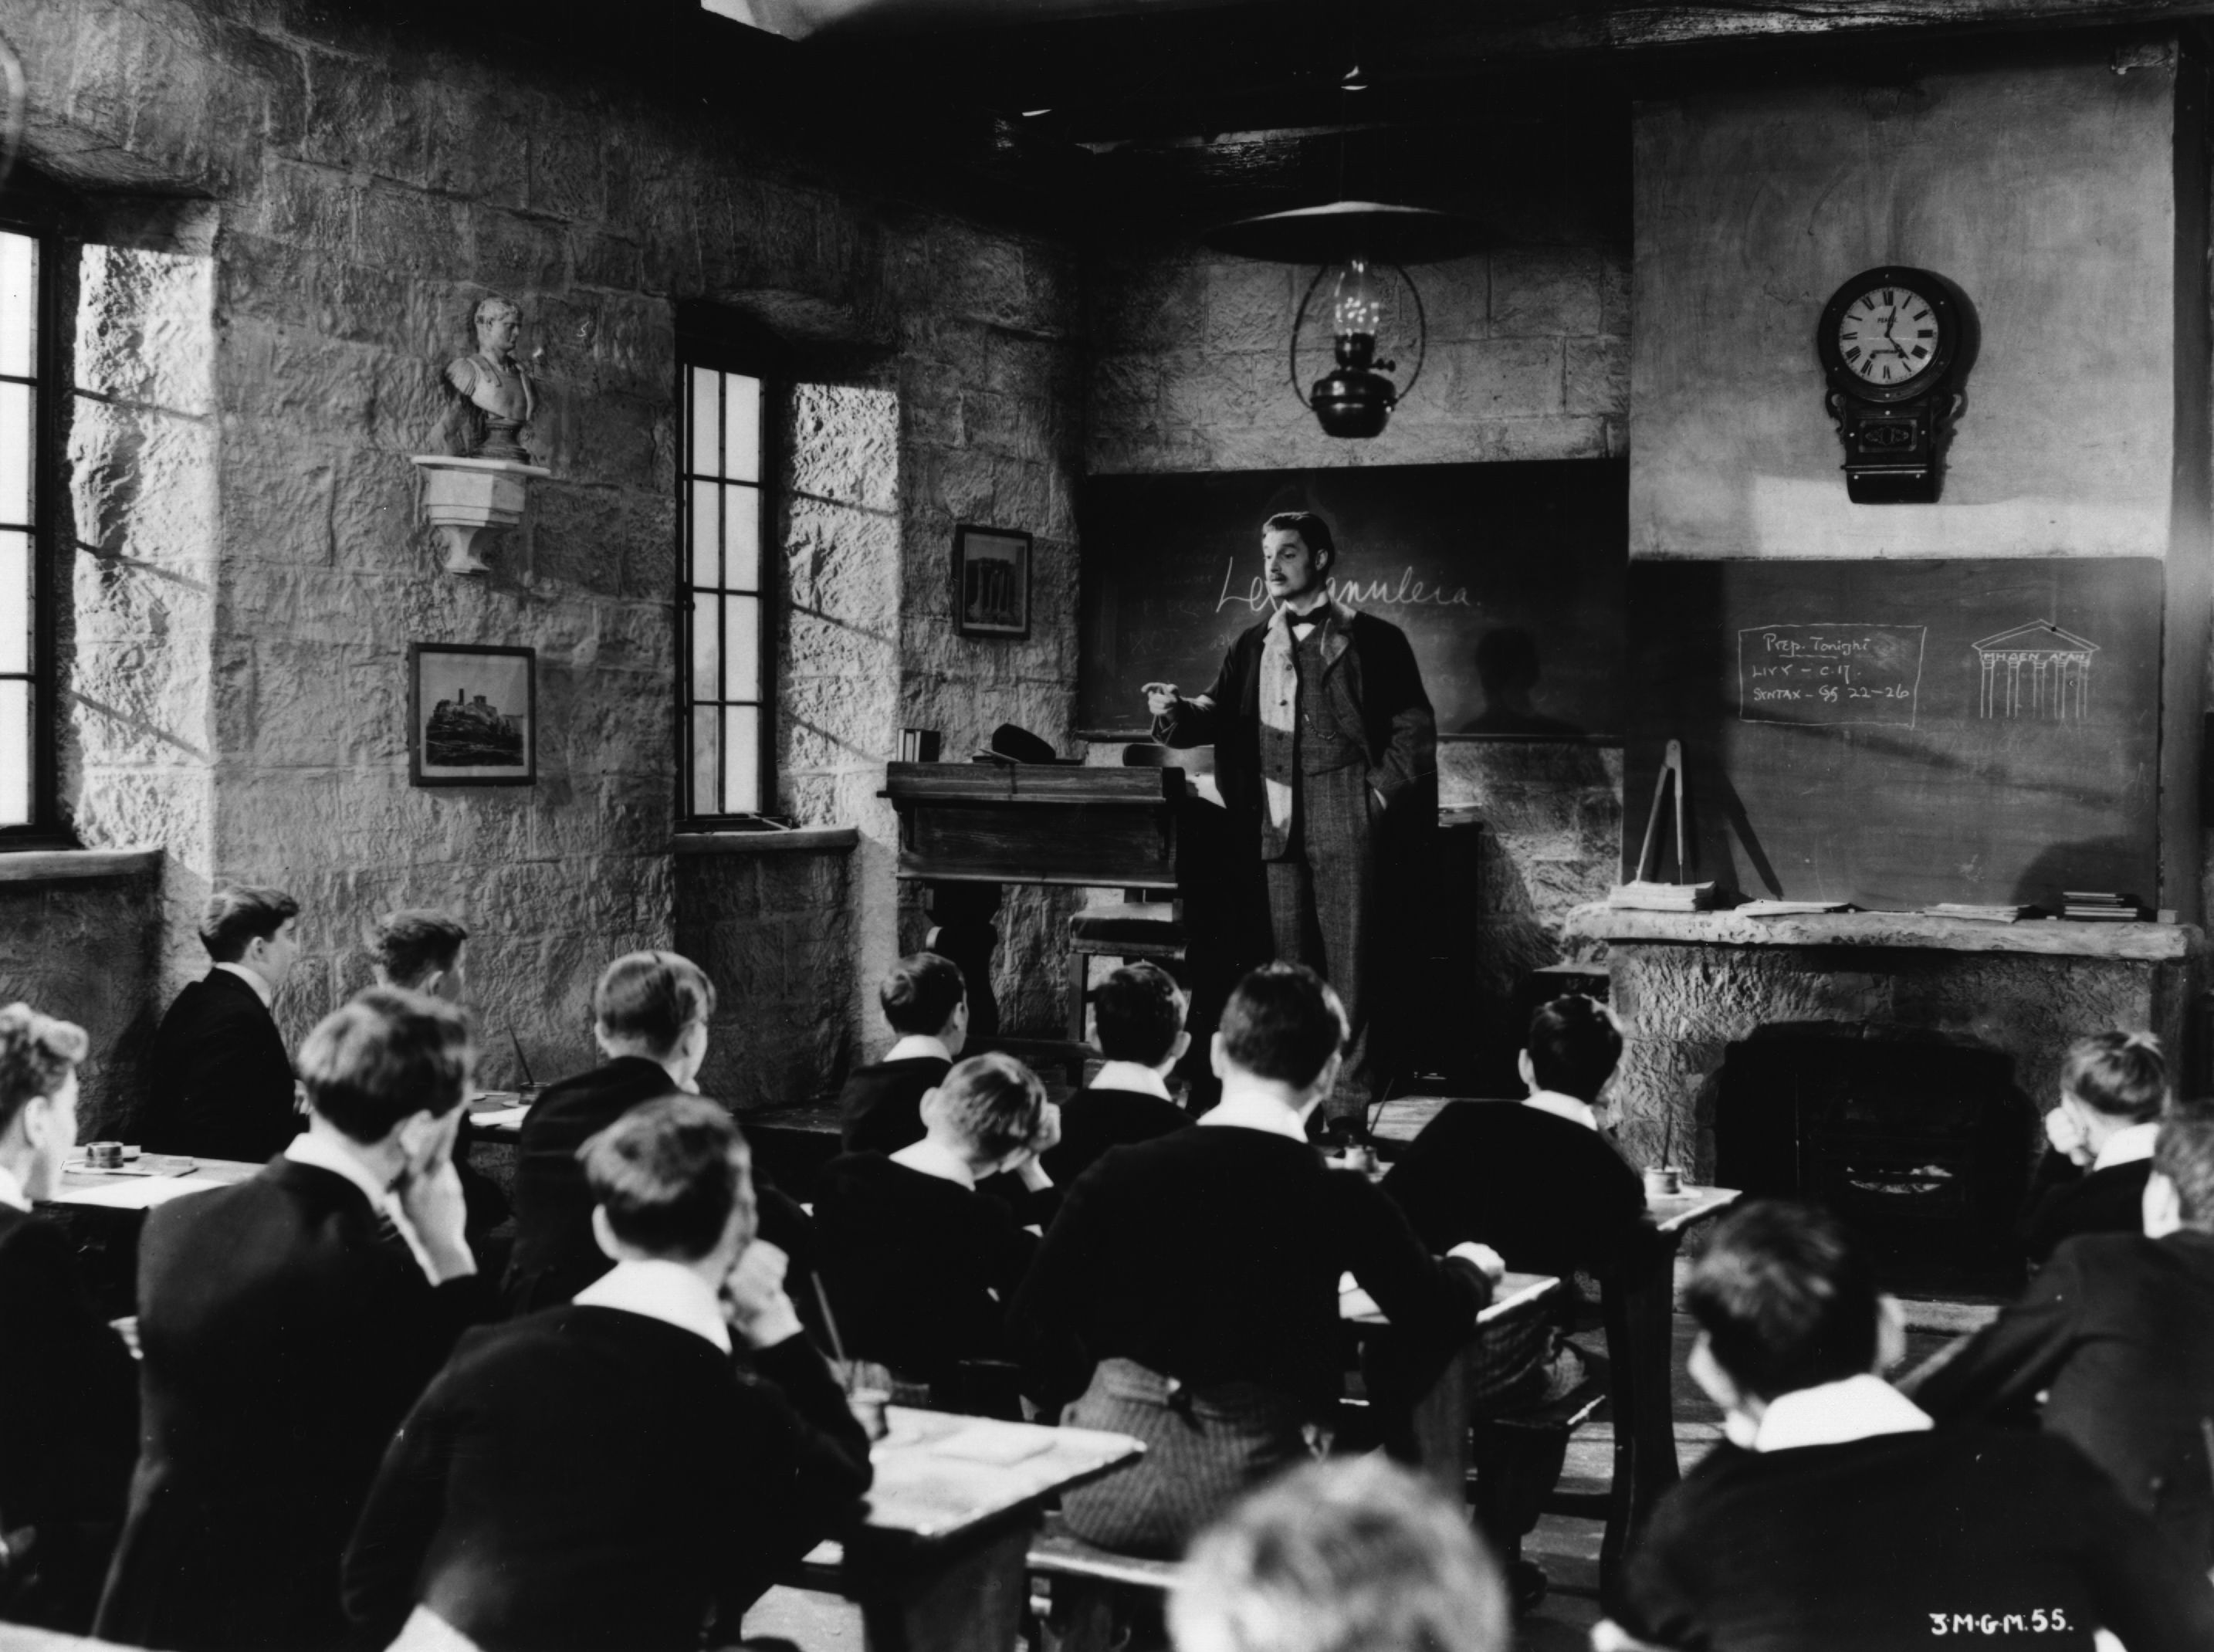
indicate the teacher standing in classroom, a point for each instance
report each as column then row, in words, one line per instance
column 1323, row 733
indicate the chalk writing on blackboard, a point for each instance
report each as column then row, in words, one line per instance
column 1829, row 674
column 2036, row 671
column 1406, row 591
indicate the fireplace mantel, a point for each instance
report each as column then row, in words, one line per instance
column 1689, row 984
column 2149, row 943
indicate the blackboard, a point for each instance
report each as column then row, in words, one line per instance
column 1508, row 579
column 1899, row 733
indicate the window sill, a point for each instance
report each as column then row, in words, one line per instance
column 74, row 866
column 804, row 840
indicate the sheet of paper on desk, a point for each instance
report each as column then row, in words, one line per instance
column 140, row 1193
column 991, row 1445
column 500, row 1117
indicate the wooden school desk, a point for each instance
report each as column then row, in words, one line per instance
column 937, row 1559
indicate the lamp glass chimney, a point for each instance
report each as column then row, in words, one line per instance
column 1356, row 313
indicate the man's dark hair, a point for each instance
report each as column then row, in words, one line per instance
column 413, row 942
column 650, row 998
column 1139, row 1011
column 1354, row 1552
column 237, row 918
column 920, row 992
column 37, row 1056
column 387, row 1055
column 1786, row 1298
column 669, row 1173
column 996, row 1103
column 1574, row 1045
column 1310, row 528
column 2184, row 1154
column 1283, row 1022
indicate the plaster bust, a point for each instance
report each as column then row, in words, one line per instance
column 497, row 399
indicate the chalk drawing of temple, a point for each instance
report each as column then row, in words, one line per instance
column 2036, row 671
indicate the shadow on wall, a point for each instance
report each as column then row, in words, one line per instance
column 1508, row 669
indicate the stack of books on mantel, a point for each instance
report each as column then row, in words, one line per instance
column 2101, row 906
column 1642, row 897
column 2001, row 914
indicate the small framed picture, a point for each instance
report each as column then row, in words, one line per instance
column 472, row 715
column 991, row 581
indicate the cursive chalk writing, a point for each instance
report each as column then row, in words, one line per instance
column 1410, row 593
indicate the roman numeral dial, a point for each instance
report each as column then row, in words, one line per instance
column 1889, row 335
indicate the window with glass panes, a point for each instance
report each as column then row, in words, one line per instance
column 21, row 668
column 724, row 687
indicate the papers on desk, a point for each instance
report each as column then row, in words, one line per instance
column 1511, row 1292
column 139, row 1192
column 500, row 1118
column 992, row 1446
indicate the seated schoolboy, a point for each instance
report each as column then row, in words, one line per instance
column 420, row 948
column 1357, row 1552
column 1538, row 1182
column 650, row 1012
column 69, row 1392
column 605, row 1473
column 2117, row 1332
column 287, row 1323
column 1139, row 1013
column 926, row 1002
column 1188, row 1293
column 2092, row 1178
column 918, row 1265
column 1834, row 1519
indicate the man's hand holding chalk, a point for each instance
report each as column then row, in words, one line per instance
column 1160, row 698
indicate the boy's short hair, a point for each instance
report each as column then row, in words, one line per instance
column 669, row 1173
column 2184, row 1153
column 37, row 1056
column 2120, row 1075
column 1354, row 1552
column 235, row 918
column 920, row 992
column 1786, row 1298
column 996, row 1104
column 388, row 1053
column 1139, row 1011
column 651, row 998
column 1283, row 1022
column 1573, row 1044
column 410, row 943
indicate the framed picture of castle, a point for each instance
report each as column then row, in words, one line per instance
column 472, row 715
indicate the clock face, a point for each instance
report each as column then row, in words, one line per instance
column 1888, row 334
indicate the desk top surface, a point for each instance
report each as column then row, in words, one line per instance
column 938, row 1475
column 151, row 1179
column 1514, row 1293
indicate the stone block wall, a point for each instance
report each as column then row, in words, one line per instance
column 249, row 571
column 1529, row 360
column 82, row 949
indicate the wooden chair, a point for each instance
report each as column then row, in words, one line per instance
column 1144, row 924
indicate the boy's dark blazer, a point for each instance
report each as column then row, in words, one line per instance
column 556, row 1255
column 880, row 1108
column 68, row 1422
column 1094, row 1120
column 222, row 1086
column 588, row 1477
column 285, row 1331
column 2065, row 1200
column 2119, row 1329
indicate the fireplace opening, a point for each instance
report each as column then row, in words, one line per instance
column 1919, row 1143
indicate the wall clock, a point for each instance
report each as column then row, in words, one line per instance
column 1890, row 342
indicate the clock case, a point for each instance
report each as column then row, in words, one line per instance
column 1894, row 434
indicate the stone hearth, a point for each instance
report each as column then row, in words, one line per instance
column 1688, row 986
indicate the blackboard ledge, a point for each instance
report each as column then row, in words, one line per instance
column 1127, row 737
column 2051, row 938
